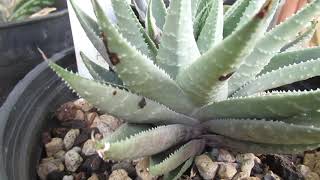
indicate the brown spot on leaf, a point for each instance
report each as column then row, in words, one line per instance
column 114, row 58
column 264, row 10
column 142, row 103
column 114, row 93
column 225, row 77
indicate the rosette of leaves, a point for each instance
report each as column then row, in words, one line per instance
column 196, row 76
column 13, row 10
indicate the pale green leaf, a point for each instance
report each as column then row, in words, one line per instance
column 212, row 32
column 204, row 78
column 100, row 73
column 287, row 58
column 282, row 76
column 129, row 26
column 119, row 102
column 174, row 160
column 303, row 39
column 201, row 17
column 271, row 44
column 91, row 28
column 262, row 131
column 146, row 143
column 137, row 72
column 275, row 105
column 236, row 145
column 233, row 16
column 159, row 12
column 178, row 47
column 179, row 171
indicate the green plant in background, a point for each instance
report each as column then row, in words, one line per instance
column 12, row 10
column 197, row 76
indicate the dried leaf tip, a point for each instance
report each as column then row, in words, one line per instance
column 102, row 151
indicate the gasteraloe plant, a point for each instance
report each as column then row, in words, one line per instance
column 197, row 76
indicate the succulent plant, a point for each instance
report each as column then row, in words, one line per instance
column 12, row 10
column 199, row 77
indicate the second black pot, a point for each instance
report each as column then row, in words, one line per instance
column 19, row 42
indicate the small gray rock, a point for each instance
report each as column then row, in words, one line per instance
column 242, row 157
column 207, row 168
column 119, row 174
column 312, row 176
column 79, row 115
column 70, row 177
column 214, row 154
column 142, row 170
column 49, row 165
column 303, row 169
column 70, row 137
column 60, row 155
column 89, row 148
column 227, row 170
column 72, row 160
column 83, row 104
column 251, row 178
column 127, row 166
column 93, row 177
column 246, row 166
column 271, row 176
column 240, row 176
column 76, row 149
column 103, row 128
column 225, row 156
column 111, row 121
column 307, row 173
column 54, row 146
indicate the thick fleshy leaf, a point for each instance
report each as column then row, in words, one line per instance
column 138, row 72
column 159, row 12
column 271, row 43
column 226, row 8
column 121, row 103
column 179, row 171
column 233, row 16
column 100, row 73
column 201, row 4
column 178, row 47
column 174, row 160
column 141, row 7
column 91, row 28
column 147, row 143
column 302, row 41
column 212, row 32
column 282, row 76
column 123, row 132
column 275, row 105
column 236, row 145
column 251, row 10
column 203, row 11
column 194, row 9
column 203, row 79
column 262, row 131
column 151, row 27
column 129, row 26
column 307, row 119
column 287, row 58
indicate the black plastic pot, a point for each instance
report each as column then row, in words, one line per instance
column 19, row 42
column 24, row 115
